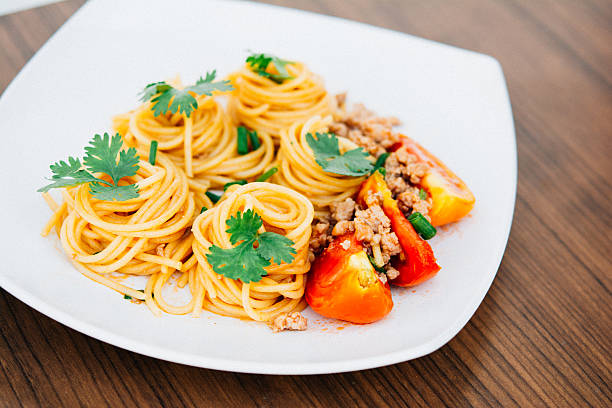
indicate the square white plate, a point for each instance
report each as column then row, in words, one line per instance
column 453, row 101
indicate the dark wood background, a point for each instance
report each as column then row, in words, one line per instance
column 542, row 336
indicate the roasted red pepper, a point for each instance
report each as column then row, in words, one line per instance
column 417, row 262
column 451, row 197
column 343, row 284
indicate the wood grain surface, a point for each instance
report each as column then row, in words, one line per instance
column 542, row 336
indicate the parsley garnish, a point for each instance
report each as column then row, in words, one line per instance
column 166, row 98
column 247, row 260
column 259, row 63
column 100, row 157
column 327, row 155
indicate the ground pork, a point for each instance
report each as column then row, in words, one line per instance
column 409, row 201
column 343, row 227
column 320, row 236
column 382, row 277
column 374, row 133
column 289, row 321
column 370, row 222
column 342, row 210
column 389, row 245
column 373, row 228
column 391, row 272
column 402, row 171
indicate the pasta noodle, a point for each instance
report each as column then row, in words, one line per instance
column 203, row 144
column 162, row 233
column 262, row 104
column 147, row 235
column 283, row 211
column 299, row 170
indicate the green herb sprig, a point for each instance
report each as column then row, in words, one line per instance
column 259, row 64
column 100, row 157
column 166, row 98
column 253, row 251
column 327, row 155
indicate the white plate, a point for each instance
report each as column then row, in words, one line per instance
column 453, row 101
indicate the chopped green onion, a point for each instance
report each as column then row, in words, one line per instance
column 231, row 183
column 255, row 143
column 153, row 152
column 213, row 197
column 243, row 142
column 422, row 226
column 203, row 209
column 267, row 174
column 422, row 194
column 380, row 162
column 373, row 262
column 127, row 297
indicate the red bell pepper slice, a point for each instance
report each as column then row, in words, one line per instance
column 417, row 262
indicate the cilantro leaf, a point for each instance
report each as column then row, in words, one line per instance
column 206, row 86
column 247, row 260
column 275, row 247
column 325, row 146
column 101, row 157
column 173, row 100
column 153, row 89
column 241, row 262
column 166, row 98
column 67, row 175
column 327, row 155
column 244, row 226
column 110, row 193
column 259, row 64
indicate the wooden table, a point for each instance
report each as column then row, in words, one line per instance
column 543, row 333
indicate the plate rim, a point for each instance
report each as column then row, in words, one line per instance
column 257, row 367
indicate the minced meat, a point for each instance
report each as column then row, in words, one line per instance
column 342, row 210
column 373, row 228
column 289, row 321
column 374, row 133
column 402, row 172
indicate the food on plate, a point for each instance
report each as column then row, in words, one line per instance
column 129, row 215
column 312, row 203
column 252, row 251
column 451, row 198
column 304, row 146
column 193, row 129
column 272, row 94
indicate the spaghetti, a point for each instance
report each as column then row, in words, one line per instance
column 262, row 104
column 299, row 170
column 148, row 235
column 203, row 144
column 283, row 211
